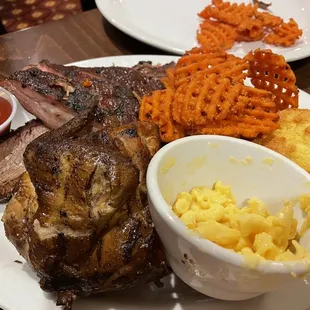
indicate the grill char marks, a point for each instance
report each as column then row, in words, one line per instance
column 80, row 215
column 118, row 87
column 59, row 90
column 42, row 82
column 52, row 112
column 55, row 94
column 88, row 226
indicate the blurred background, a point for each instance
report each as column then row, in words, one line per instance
column 20, row 14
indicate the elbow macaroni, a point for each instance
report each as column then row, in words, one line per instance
column 251, row 230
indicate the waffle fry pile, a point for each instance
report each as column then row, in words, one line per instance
column 225, row 23
column 205, row 94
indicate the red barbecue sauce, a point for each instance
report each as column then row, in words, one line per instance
column 5, row 110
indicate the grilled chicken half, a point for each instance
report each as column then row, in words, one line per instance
column 80, row 216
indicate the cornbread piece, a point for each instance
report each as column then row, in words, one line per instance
column 292, row 139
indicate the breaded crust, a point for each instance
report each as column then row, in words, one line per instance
column 292, row 139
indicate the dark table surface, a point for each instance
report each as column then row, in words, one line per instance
column 78, row 37
column 83, row 36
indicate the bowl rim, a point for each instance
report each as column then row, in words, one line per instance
column 13, row 102
column 298, row 267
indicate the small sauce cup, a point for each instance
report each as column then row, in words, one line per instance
column 7, row 98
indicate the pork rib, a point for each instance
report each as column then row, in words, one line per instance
column 47, row 109
column 55, row 93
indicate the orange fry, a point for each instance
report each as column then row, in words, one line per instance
column 184, row 72
column 250, row 30
column 285, row 34
column 268, row 19
column 216, row 35
column 209, row 61
column 225, row 23
column 169, row 130
column 271, row 72
column 149, row 107
column 230, row 66
column 169, row 81
column 246, row 127
column 254, row 113
column 214, row 97
column 157, row 108
column 231, row 14
column 217, row 2
column 202, row 50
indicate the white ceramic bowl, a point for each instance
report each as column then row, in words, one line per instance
column 5, row 127
column 201, row 161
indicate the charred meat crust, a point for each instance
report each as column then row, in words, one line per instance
column 51, row 112
column 80, row 210
column 67, row 90
column 11, row 156
column 88, row 229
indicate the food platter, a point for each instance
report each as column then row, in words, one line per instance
column 172, row 25
column 19, row 287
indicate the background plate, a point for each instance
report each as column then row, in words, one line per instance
column 171, row 25
column 19, row 289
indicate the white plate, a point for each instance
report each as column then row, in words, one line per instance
column 19, row 289
column 171, row 25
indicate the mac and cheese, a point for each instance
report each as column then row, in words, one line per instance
column 249, row 230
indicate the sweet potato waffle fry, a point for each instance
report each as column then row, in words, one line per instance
column 236, row 126
column 157, row 108
column 203, row 50
column 225, row 23
column 192, row 63
column 231, row 14
column 250, row 30
column 271, row 72
column 194, row 60
column 169, row 81
column 268, row 19
column 208, row 62
column 284, row 34
column 205, row 94
column 254, row 113
column 216, row 35
column 204, row 100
